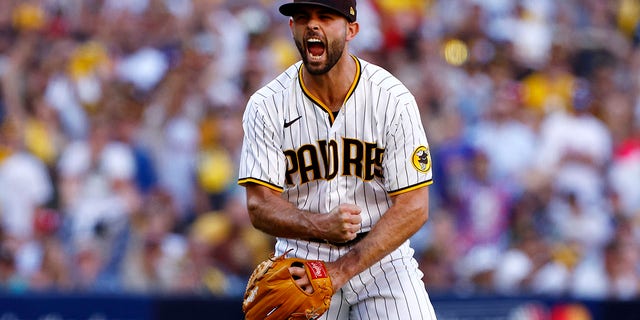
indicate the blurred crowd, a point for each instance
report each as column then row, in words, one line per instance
column 120, row 129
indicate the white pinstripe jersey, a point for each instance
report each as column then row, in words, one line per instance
column 374, row 148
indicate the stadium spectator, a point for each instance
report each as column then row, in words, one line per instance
column 122, row 120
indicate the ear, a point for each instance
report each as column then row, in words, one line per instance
column 352, row 30
column 291, row 25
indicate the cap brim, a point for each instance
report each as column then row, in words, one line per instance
column 289, row 9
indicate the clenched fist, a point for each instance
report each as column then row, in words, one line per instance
column 342, row 223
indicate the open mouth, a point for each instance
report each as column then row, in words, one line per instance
column 315, row 48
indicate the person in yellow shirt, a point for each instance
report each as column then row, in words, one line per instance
column 550, row 88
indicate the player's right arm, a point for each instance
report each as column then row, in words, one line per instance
column 262, row 168
column 270, row 213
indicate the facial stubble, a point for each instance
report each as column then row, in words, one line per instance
column 333, row 52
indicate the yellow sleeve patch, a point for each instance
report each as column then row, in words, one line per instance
column 421, row 159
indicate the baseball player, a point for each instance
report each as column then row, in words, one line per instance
column 336, row 165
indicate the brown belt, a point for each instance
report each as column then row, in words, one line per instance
column 351, row 242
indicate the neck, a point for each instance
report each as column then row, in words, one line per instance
column 331, row 88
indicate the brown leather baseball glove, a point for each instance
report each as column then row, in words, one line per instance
column 272, row 293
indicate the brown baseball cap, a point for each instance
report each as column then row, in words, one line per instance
column 347, row 8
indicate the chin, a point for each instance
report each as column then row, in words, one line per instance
column 316, row 67
column 317, row 70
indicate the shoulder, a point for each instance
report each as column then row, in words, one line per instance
column 378, row 78
column 279, row 86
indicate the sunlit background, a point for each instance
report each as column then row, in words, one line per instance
column 120, row 129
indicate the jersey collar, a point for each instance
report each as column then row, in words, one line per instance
column 317, row 101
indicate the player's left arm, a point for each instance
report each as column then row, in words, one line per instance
column 404, row 218
column 407, row 165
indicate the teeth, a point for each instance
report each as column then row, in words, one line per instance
column 314, row 41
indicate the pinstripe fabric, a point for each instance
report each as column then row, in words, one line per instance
column 363, row 155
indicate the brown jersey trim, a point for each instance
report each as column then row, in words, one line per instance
column 317, row 101
column 410, row 188
column 271, row 186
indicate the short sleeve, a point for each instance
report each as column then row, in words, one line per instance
column 262, row 160
column 407, row 160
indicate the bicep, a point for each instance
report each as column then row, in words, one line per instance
column 414, row 201
column 259, row 196
column 261, row 159
column 407, row 160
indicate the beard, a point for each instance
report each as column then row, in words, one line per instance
column 333, row 52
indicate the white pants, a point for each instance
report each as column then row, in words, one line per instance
column 391, row 289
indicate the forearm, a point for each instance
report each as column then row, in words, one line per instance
column 275, row 216
column 398, row 224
